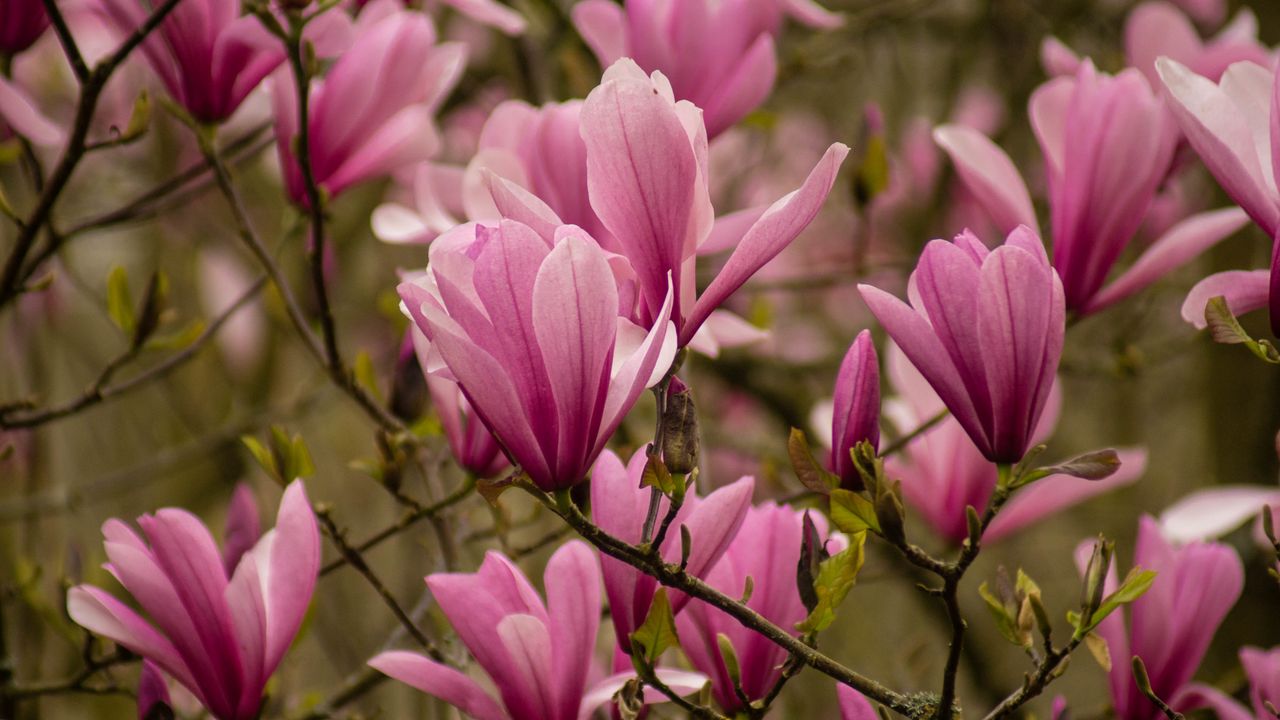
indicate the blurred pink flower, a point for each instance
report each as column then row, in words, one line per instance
column 1262, row 668
column 539, row 655
column 1171, row 626
column 373, row 113
column 222, row 280
column 208, row 56
column 767, row 550
column 529, row 327
column 1210, row 513
column 856, row 408
column 854, row 705
column 153, row 690
column 219, row 634
column 1107, row 145
column 22, row 22
column 1231, row 126
column 619, row 505
column 942, row 471
column 718, row 55
column 985, row 328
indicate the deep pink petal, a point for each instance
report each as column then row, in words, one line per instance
column 1244, row 291
column 439, row 681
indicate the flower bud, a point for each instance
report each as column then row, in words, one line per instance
column 680, row 429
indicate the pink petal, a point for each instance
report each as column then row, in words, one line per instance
column 1211, row 513
column 20, row 113
column 488, row 12
column 601, row 693
column 249, row 615
column 289, row 574
column 1198, row 696
column 713, row 525
column 152, row 689
column 989, row 173
column 573, row 607
column 729, row 230
column 516, row 203
column 527, row 688
column 603, row 27
column 854, row 705
column 243, row 528
column 1058, row 59
column 745, row 89
column 1179, row 245
column 439, row 681
column 810, row 13
column 1244, row 290
column 642, row 368
column 770, row 235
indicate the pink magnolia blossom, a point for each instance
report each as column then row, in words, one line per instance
column 473, row 446
column 19, row 115
column 529, row 327
column 221, row 623
column 539, row 655
column 374, row 111
column 1171, row 626
column 856, row 408
column 1213, row 512
column 1107, row 144
column 854, row 705
column 619, row 505
column 152, row 691
column 1155, row 28
column 1262, row 668
column 718, row 54
column 207, row 54
column 942, row 471
column 1231, row 126
column 767, row 550
column 647, row 180
column 22, row 22
column 985, row 328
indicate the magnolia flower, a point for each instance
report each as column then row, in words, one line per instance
column 854, row 705
column 1262, row 668
column 1155, row 28
column 529, row 328
column 22, row 22
column 855, row 409
column 1171, row 625
column 985, row 328
column 718, row 55
column 538, row 655
column 942, row 471
column 472, row 444
column 374, row 111
column 152, row 691
column 222, row 623
column 619, row 505
column 539, row 149
column 19, row 115
column 1213, row 512
column 766, row 550
column 208, row 56
column 1107, row 145
column 647, row 180
column 1230, row 125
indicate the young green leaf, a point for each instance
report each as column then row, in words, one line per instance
column 852, row 513
column 810, row 474
column 836, row 577
column 119, row 300
column 657, row 633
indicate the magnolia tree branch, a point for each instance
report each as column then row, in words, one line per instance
column 91, row 88
column 673, row 577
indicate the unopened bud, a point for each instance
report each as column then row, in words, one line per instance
column 890, row 514
column 680, row 429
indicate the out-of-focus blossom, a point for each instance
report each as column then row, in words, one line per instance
column 223, row 280
column 22, row 22
column 529, row 327
column 1171, row 625
column 1156, row 28
column 539, row 149
column 374, row 111
column 1107, row 144
column 767, row 550
column 540, row 655
column 472, row 444
column 942, row 471
column 854, row 705
column 718, row 55
column 1213, row 512
column 647, row 180
column 219, row 634
column 1205, row 12
column 1262, row 668
column 1231, row 125
column 985, row 328
column 19, row 115
column 619, row 505
column 856, row 409
column 152, row 691
column 208, row 56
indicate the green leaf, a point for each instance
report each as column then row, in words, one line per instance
column 366, row 377
column 260, row 453
column 139, row 119
column 1099, row 650
column 836, row 577
column 852, row 513
column 808, row 471
column 178, row 340
column 656, row 634
column 1137, row 582
column 1006, row 623
column 1096, row 465
column 1226, row 329
column 730, row 657
column 656, row 475
column 119, row 300
column 873, row 172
